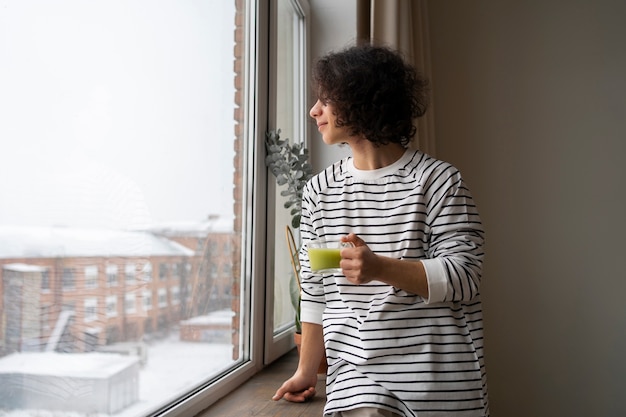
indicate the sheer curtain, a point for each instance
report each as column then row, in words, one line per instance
column 402, row 24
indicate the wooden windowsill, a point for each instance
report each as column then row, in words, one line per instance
column 254, row 398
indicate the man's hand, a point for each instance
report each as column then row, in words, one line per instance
column 359, row 264
column 297, row 389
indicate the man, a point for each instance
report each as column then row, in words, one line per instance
column 401, row 326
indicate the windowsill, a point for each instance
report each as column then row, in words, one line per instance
column 255, row 396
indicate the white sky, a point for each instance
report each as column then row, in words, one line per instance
column 115, row 113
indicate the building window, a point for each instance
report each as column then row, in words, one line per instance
column 163, row 268
column 91, row 309
column 91, row 276
column 147, row 300
column 175, row 295
column 68, row 280
column 176, row 268
column 146, row 272
column 130, row 272
column 162, row 294
column 111, row 306
column 130, row 303
column 111, row 271
column 45, row 280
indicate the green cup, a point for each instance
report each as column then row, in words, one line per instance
column 325, row 255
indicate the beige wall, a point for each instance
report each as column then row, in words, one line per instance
column 333, row 26
column 530, row 100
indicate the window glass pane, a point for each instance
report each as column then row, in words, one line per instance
column 289, row 109
column 120, row 246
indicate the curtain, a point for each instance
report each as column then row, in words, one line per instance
column 403, row 25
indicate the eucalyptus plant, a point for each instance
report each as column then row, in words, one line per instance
column 289, row 162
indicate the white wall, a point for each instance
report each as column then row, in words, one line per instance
column 333, row 27
column 530, row 101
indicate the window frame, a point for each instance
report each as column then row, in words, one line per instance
column 278, row 344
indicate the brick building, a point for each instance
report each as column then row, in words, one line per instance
column 77, row 290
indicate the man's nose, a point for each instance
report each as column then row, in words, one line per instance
column 315, row 110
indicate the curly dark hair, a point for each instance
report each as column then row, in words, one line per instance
column 374, row 92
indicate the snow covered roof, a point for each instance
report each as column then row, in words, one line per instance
column 19, row 267
column 216, row 317
column 78, row 365
column 38, row 242
column 214, row 224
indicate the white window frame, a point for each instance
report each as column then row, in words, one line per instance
column 279, row 341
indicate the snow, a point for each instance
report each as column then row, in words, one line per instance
column 224, row 317
column 51, row 242
column 19, row 267
column 214, row 224
column 173, row 368
column 78, row 365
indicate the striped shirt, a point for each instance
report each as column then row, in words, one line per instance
column 385, row 347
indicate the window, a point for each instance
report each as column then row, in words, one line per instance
column 91, row 276
column 175, row 295
column 111, row 271
column 45, row 280
column 111, row 305
column 129, row 273
column 91, row 310
column 130, row 303
column 163, row 268
column 176, row 268
column 68, row 280
column 130, row 134
column 147, row 272
column 289, row 99
column 162, row 294
column 147, row 300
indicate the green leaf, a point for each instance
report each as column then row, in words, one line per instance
column 288, row 161
column 295, row 221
